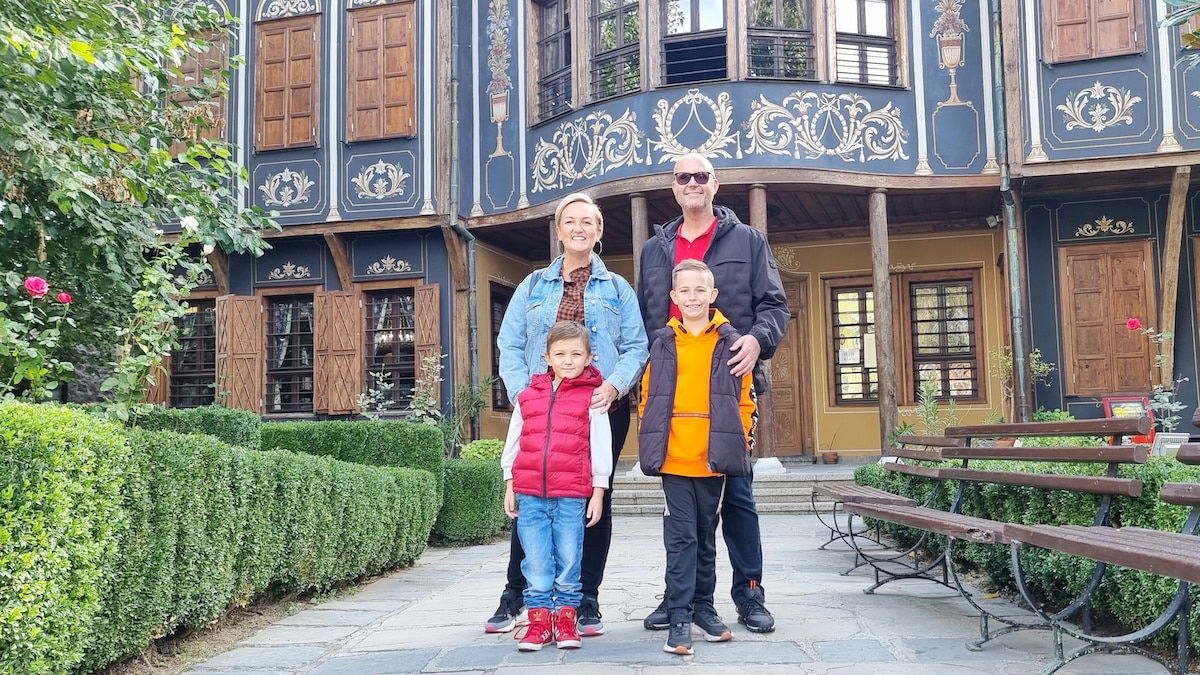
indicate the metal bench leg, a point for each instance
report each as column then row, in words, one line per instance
column 1183, row 648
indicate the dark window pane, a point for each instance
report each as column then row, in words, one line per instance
column 390, row 344
column 290, row 355
column 194, row 363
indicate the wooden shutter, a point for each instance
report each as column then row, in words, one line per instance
column 1103, row 286
column 158, row 391
column 213, row 59
column 240, row 360
column 428, row 318
column 338, row 365
column 285, row 99
column 1087, row 29
column 381, row 84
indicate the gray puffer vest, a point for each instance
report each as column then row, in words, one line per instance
column 726, row 437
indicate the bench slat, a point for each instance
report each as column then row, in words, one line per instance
column 1189, row 453
column 958, row 526
column 1099, row 427
column 1128, row 487
column 1098, row 543
column 912, row 453
column 1184, row 494
column 861, row 494
column 913, row 470
column 931, row 441
column 1136, row 454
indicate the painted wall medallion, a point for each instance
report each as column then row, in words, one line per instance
column 279, row 9
column 1098, row 107
column 706, row 126
column 290, row 270
column 286, row 188
column 499, row 55
column 380, row 180
column 389, row 265
column 950, row 32
column 1105, row 225
column 586, row 147
column 814, row 125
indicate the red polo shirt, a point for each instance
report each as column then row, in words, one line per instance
column 695, row 249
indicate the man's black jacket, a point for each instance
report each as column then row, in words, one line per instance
column 750, row 293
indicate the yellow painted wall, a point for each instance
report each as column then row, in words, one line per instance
column 855, row 430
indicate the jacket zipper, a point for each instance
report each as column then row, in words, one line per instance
column 546, row 448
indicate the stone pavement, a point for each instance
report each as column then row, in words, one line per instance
column 428, row 619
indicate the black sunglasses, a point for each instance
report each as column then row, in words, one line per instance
column 701, row 177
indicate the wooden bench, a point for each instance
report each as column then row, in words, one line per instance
column 910, row 453
column 1175, row 555
column 954, row 525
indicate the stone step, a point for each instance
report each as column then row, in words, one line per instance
column 761, row 495
column 773, row 479
column 789, row 508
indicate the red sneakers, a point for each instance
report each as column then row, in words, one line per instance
column 540, row 631
column 566, row 633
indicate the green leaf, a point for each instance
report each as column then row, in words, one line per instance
column 117, row 147
column 83, row 50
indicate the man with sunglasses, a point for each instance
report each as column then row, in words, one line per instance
column 753, row 300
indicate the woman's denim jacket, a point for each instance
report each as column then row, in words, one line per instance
column 611, row 314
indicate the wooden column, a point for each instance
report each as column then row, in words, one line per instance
column 765, row 445
column 220, row 269
column 341, row 260
column 639, row 221
column 1170, row 271
column 885, row 348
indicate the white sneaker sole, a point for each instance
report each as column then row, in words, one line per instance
column 569, row 644
column 680, row 650
column 530, row 646
column 708, row 637
column 521, row 620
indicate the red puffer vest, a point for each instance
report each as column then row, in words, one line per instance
column 555, row 457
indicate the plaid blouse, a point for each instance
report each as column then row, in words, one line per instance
column 571, row 307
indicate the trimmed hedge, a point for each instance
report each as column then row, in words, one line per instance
column 235, row 427
column 1129, row 597
column 472, row 502
column 374, row 442
column 61, row 473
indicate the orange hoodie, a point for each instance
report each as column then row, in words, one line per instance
column 687, row 444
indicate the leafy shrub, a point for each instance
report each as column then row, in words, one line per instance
column 1129, row 597
column 231, row 425
column 61, row 473
column 378, row 443
column 473, row 502
column 484, row 448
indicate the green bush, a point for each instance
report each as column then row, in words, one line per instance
column 484, row 448
column 472, row 503
column 378, row 443
column 234, row 426
column 61, row 473
column 1129, row 597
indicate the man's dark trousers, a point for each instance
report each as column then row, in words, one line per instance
column 597, row 538
column 690, row 536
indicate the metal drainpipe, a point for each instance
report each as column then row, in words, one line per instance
column 1016, row 283
column 455, row 221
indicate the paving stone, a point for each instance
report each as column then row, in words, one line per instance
column 622, row 651
column 492, row 656
column 239, row 672
column 263, row 658
column 854, row 651
column 332, row 617
column 740, row 651
column 286, row 635
column 378, row 663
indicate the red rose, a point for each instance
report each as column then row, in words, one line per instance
column 64, row 298
column 36, row 286
column 1133, row 324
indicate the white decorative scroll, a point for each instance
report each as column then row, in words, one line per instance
column 1098, row 107
column 699, row 112
column 281, row 9
column 380, row 181
column 286, row 188
column 586, row 147
column 807, row 121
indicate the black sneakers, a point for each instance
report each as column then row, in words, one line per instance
column 589, row 617
column 659, row 619
column 709, row 624
column 509, row 614
column 754, row 615
column 679, row 640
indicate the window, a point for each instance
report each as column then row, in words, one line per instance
column 501, row 296
column 289, row 354
column 390, row 346
column 866, row 42
column 693, row 41
column 936, row 335
column 285, row 97
column 194, row 363
column 855, row 371
column 616, row 38
column 201, row 121
column 1075, row 30
column 554, row 59
column 381, row 83
column 781, row 39
column 942, row 321
column 1103, row 285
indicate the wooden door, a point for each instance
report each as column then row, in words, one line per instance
column 791, row 423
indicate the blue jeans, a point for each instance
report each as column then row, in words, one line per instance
column 551, row 532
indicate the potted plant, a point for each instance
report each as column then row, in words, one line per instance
column 1000, row 366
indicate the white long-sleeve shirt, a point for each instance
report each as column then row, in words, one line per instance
column 600, row 439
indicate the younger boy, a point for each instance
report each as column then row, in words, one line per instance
column 695, row 424
column 557, row 455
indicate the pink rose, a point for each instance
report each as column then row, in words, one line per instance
column 1133, row 323
column 36, row 286
column 64, row 298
